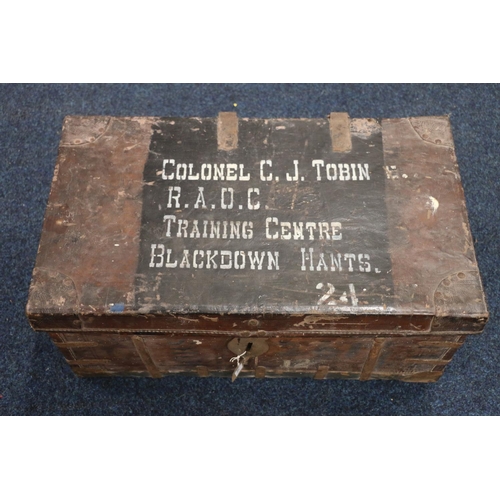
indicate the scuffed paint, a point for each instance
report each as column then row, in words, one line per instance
column 117, row 308
column 432, row 205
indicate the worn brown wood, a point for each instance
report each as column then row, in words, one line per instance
column 142, row 351
column 321, row 372
column 371, row 360
column 202, row 371
column 343, row 243
column 207, row 355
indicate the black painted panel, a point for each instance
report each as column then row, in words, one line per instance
column 299, row 270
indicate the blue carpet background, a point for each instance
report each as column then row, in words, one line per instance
column 34, row 378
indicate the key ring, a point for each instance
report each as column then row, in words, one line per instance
column 237, row 358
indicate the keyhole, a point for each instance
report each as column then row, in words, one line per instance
column 249, row 346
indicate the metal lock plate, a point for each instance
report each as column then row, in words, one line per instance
column 252, row 345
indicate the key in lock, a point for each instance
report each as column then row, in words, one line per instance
column 245, row 348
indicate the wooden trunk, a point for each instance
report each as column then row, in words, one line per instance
column 329, row 248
